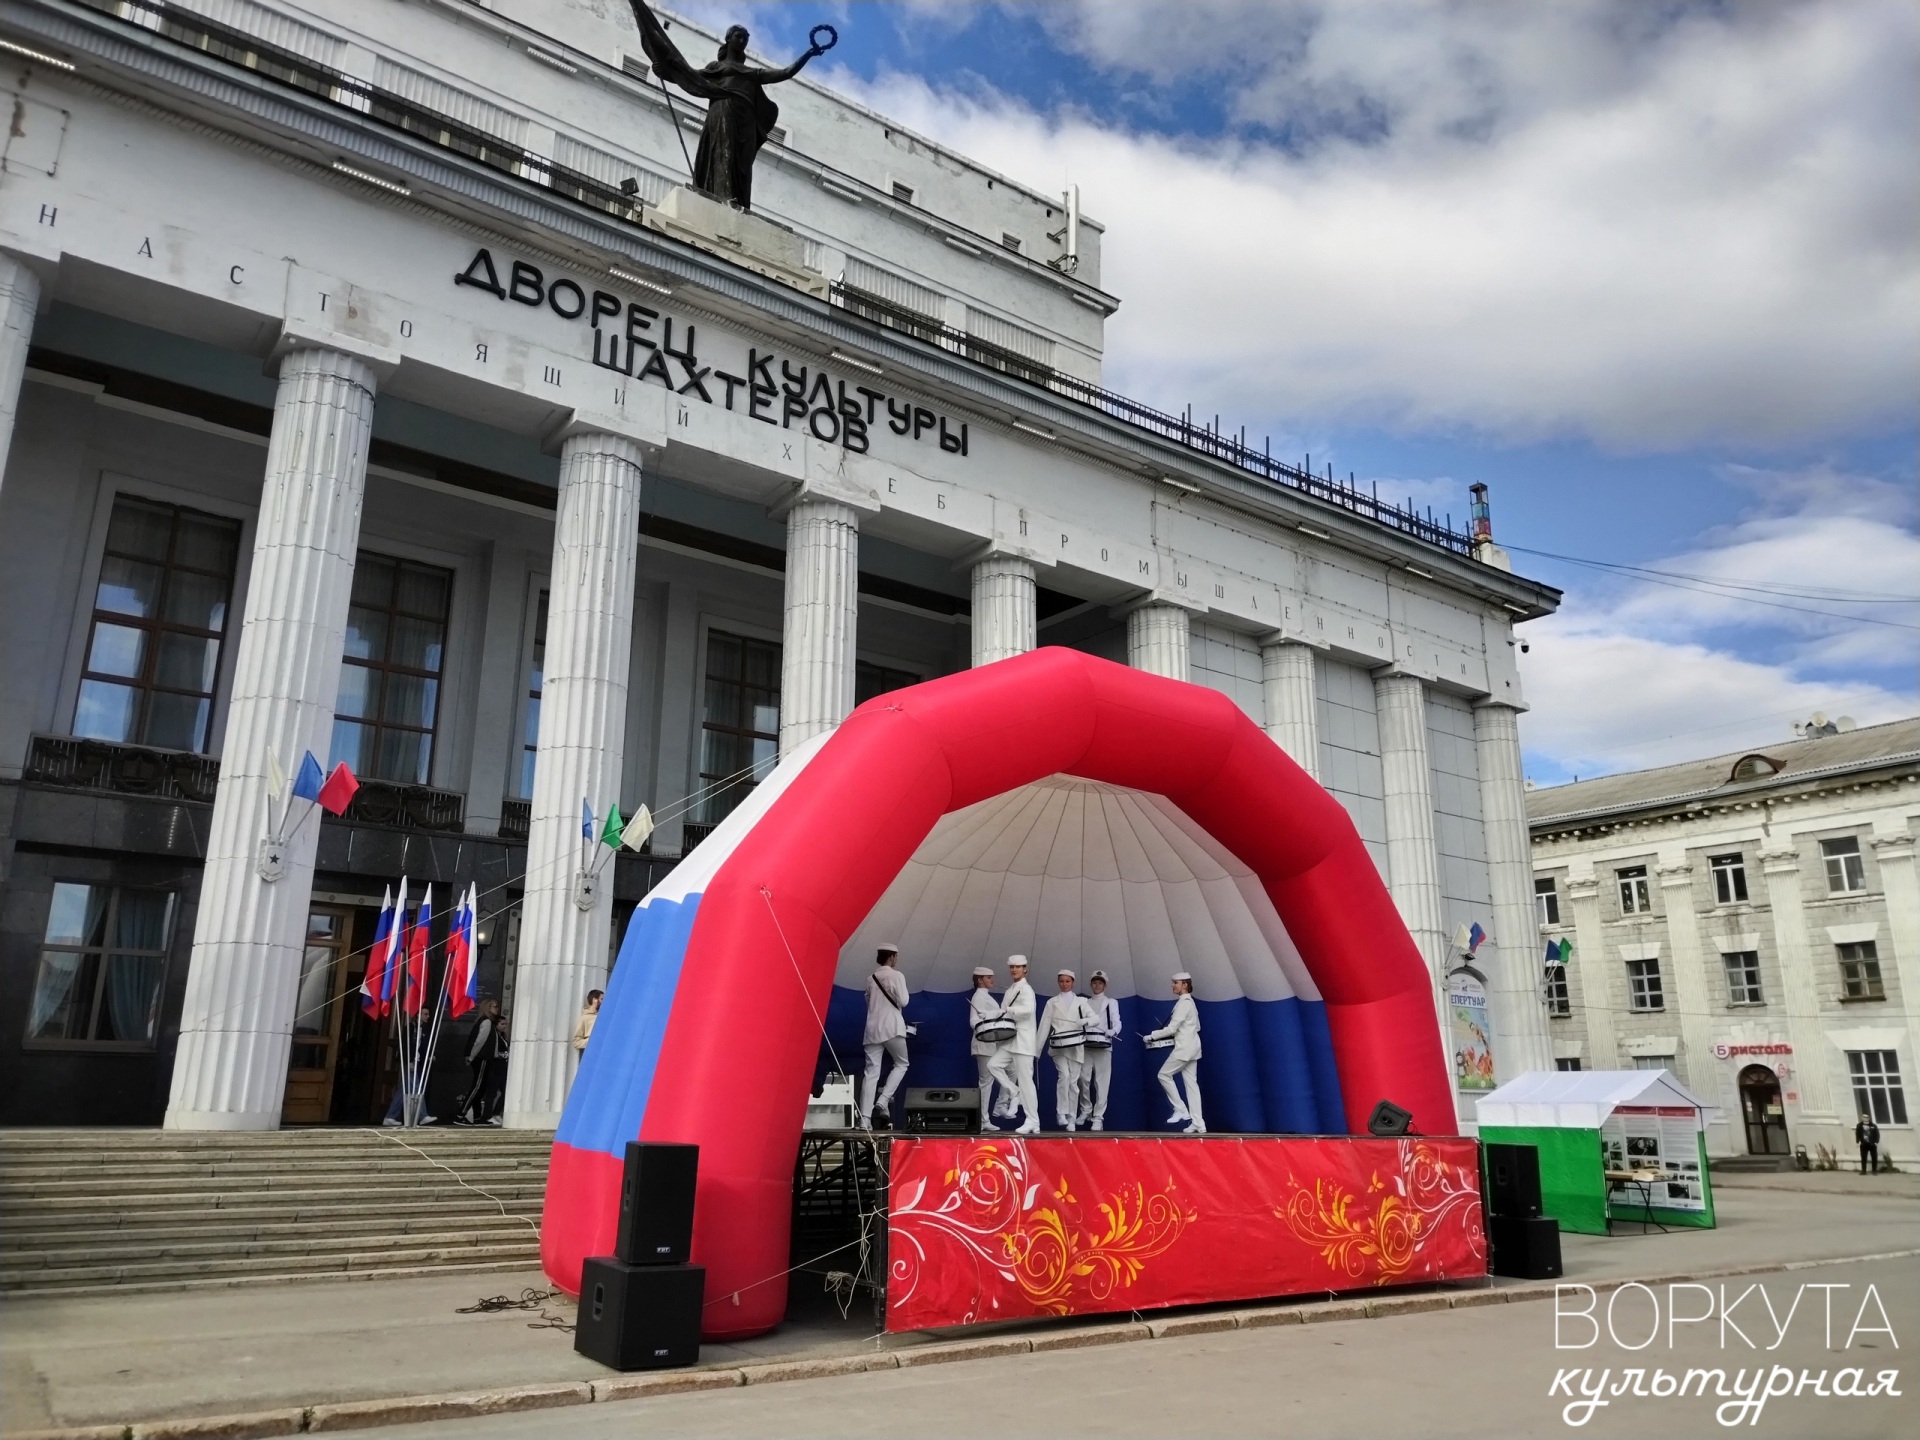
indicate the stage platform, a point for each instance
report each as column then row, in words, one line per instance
column 949, row 1230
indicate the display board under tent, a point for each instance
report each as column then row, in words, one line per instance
column 1589, row 1124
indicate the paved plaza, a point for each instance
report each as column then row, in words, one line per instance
column 114, row 1360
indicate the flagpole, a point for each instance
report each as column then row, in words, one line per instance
column 433, row 1032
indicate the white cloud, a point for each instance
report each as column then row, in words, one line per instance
column 1651, row 227
column 1631, row 673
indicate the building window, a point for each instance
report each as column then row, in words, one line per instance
column 1729, row 879
column 1860, row 971
column 870, row 680
column 1846, row 870
column 159, row 613
column 1559, row 1003
column 1643, row 985
column 1743, row 977
column 1546, row 901
column 1876, row 1086
column 903, row 193
column 390, row 672
column 1653, row 1062
column 740, row 734
column 536, row 680
column 1566, row 1063
column 101, row 964
column 1635, row 897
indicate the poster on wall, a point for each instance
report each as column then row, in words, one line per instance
column 1658, row 1138
column 1472, row 1033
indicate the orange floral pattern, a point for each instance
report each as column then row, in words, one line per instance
column 995, row 1212
column 1379, row 1239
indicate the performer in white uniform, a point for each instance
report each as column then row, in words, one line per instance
column 1062, row 1025
column 886, row 1031
column 982, row 1009
column 1096, row 1073
column 1013, row 1066
column 1184, row 1061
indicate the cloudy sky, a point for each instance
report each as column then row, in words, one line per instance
column 1649, row 270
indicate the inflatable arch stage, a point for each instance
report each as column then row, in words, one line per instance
column 1080, row 811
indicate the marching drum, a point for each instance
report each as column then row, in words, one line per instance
column 1066, row 1039
column 996, row 1031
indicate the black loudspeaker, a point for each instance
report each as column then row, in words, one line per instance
column 1389, row 1119
column 1513, row 1181
column 656, row 1204
column 1526, row 1246
column 639, row 1317
column 944, row 1111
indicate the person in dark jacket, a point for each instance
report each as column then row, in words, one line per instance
column 487, row 1059
column 1867, row 1136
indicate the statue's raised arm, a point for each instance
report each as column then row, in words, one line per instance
column 739, row 115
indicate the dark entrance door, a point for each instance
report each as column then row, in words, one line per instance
column 1765, row 1116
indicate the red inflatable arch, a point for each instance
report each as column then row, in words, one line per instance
column 737, row 1043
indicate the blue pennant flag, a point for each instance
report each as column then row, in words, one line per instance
column 586, row 821
column 308, row 782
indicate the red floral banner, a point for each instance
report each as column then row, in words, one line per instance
column 997, row 1228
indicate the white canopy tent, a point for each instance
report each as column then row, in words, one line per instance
column 1583, row 1099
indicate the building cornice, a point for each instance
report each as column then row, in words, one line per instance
column 309, row 131
column 1797, row 788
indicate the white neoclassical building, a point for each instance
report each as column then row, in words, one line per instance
column 1751, row 922
column 374, row 387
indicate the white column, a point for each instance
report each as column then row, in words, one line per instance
column 822, row 615
column 1413, row 861
column 566, row 920
column 1812, row 1061
column 236, row 1021
column 1005, row 620
column 19, row 300
column 1159, row 640
column 1293, row 708
column 1591, row 965
column 1522, row 1040
column 1895, row 854
column 1692, row 994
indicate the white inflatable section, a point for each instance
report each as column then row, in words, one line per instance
column 1084, row 875
column 691, row 875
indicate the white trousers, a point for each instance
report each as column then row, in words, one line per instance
column 1066, row 1085
column 1096, row 1078
column 1015, row 1074
column 983, row 1066
column 897, row 1048
column 1189, row 1071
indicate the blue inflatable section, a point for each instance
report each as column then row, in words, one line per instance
column 610, row 1092
column 1267, row 1066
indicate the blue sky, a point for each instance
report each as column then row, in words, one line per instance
column 1648, row 271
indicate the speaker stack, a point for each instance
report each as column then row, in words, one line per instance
column 1525, row 1243
column 640, row 1307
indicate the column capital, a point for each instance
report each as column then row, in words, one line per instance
column 1673, row 876
column 813, row 491
column 296, row 337
column 1152, row 599
column 1280, row 639
column 1587, row 888
column 1501, row 702
column 1000, row 551
column 1779, row 862
column 1894, row 847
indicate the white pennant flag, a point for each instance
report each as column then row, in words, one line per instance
column 276, row 776
column 638, row 829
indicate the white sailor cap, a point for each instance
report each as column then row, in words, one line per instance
column 986, row 970
column 1098, row 975
column 1019, row 960
column 886, row 947
column 1066, row 972
column 1183, row 975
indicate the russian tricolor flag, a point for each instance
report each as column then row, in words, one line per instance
column 422, row 935
column 373, row 983
column 463, row 973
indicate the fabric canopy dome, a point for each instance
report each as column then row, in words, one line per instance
column 1088, row 875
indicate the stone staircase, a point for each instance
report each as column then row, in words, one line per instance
column 90, row 1211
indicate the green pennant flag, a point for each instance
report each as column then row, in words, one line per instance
column 1566, row 951
column 610, row 832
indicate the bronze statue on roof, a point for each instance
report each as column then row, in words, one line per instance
column 739, row 114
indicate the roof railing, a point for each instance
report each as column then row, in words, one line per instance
column 238, row 48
